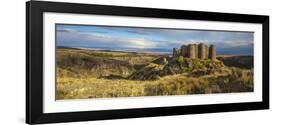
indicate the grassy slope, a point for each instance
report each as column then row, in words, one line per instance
column 79, row 77
column 238, row 61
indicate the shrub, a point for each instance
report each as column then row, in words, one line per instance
column 180, row 59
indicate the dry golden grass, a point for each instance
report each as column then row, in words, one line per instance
column 86, row 80
column 132, row 58
column 82, row 88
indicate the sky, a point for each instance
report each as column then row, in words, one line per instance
column 150, row 39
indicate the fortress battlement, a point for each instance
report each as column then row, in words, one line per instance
column 193, row 51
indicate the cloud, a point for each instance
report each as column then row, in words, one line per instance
column 239, row 43
column 78, row 31
column 126, row 37
column 66, row 30
column 101, row 40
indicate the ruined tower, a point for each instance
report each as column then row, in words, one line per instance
column 183, row 50
column 206, row 48
column 212, row 52
column 176, row 52
column 196, row 50
column 202, row 51
column 191, row 51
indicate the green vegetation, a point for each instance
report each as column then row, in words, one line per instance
column 180, row 59
column 85, row 74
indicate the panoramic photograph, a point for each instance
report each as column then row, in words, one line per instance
column 95, row 61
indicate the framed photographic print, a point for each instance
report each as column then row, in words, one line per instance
column 95, row 62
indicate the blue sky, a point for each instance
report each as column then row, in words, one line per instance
column 151, row 39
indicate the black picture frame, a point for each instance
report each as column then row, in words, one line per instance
column 34, row 61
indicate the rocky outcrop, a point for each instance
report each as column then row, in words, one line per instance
column 161, row 61
column 148, row 72
column 192, row 67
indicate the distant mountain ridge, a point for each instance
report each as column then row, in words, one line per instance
column 220, row 51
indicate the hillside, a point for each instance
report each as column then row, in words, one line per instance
column 103, row 74
column 78, row 63
column 237, row 61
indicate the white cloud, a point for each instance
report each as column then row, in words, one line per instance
column 140, row 43
column 238, row 43
column 98, row 39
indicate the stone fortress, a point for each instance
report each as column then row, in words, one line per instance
column 193, row 51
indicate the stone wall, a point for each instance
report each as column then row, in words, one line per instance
column 176, row 52
column 191, row 51
column 212, row 52
column 201, row 51
column 183, row 51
